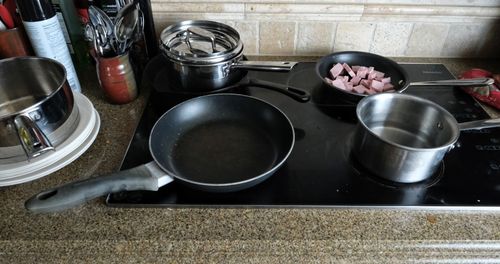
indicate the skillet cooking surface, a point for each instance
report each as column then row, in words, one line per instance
column 221, row 139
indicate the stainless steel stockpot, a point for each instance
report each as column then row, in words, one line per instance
column 403, row 138
column 207, row 55
column 36, row 107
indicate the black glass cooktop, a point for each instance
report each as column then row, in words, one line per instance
column 320, row 172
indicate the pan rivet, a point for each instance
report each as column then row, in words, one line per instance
column 440, row 126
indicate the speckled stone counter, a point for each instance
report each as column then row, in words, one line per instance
column 95, row 233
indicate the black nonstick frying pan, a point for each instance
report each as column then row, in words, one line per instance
column 216, row 143
column 399, row 77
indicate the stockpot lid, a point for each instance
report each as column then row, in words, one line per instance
column 200, row 42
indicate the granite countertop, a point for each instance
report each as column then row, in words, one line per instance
column 97, row 233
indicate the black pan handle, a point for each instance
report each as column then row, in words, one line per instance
column 295, row 93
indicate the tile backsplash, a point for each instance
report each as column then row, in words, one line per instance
column 400, row 28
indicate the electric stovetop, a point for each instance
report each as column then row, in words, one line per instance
column 320, row 172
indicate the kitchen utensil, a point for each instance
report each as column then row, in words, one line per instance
column 70, row 149
column 217, row 143
column 403, row 138
column 399, row 78
column 126, row 22
column 160, row 77
column 205, row 54
column 36, row 103
column 103, row 31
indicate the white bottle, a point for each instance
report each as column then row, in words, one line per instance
column 46, row 36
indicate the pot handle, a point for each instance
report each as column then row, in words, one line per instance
column 480, row 124
column 33, row 140
column 461, row 82
column 264, row 65
column 148, row 176
column 295, row 93
column 200, row 32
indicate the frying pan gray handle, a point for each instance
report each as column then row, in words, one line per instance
column 79, row 192
column 461, row 82
column 480, row 124
column 295, row 93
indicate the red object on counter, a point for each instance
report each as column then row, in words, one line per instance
column 6, row 17
column 487, row 94
column 116, row 77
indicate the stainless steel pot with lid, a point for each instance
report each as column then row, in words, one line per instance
column 208, row 55
column 36, row 107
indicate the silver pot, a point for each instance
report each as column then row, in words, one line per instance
column 36, row 107
column 207, row 55
column 403, row 138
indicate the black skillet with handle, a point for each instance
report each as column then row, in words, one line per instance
column 215, row 143
column 399, row 77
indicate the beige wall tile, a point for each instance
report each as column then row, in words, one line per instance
column 390, row 39
column 354, row 36
column 315, row 38
column 249, row 33
column 427, row 40
column 277, row 38
column 463, row 40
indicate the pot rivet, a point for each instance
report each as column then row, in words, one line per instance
column 36, row 115
column 440, row 126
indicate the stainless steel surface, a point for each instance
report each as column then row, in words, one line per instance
column 461, row 82
column 126, row 22
column 264, row 65
column 33, row 140
column 207, row 55
column 480, row 124
column 103, row 32
column 34, row 90
column 176, row 41
column 402, row 138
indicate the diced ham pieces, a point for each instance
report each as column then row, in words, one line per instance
column 359, row 89
column 359, row 79
column 348, row 69
column 339, row 84
column 336, row 70
column 377, row 86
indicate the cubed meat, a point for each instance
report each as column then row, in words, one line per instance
column 359, row 89
column 388, row 86
column 336, row 70
column 386, row 80
column 378, row 75
column 348, row 69
column 355, row 80
column 377, row 85
column 339, row 84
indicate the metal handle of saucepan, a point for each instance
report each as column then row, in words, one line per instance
column 264, row 65
column 33, row 140
column 145, row 177
column 461, row 82
column 480, row 124
column 200, row 32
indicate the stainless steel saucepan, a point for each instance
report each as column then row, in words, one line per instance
column 36, row 107
column 207, row 55
column 403, row 138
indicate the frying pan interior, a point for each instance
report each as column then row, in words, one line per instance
column 398, row 76
column 222, row 142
